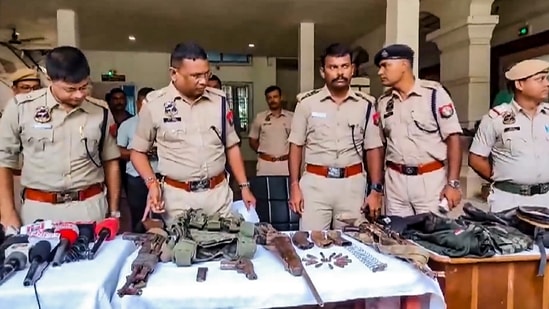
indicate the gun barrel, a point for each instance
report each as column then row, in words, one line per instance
column 312, row 288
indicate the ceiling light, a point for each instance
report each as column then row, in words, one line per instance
column 251, row 45
column 131, row 38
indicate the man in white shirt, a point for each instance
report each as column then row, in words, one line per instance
column 136, row 190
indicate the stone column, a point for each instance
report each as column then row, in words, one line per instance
column 306, row 56
column 465, row 70
column 402, row 25
column 67, row 28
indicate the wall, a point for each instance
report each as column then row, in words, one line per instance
column 151, row 69
column 515, row 14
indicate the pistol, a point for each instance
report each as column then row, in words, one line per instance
column 242, row 266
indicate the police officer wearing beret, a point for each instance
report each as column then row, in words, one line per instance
column 68, row 154
column 422, row 135
column 516, row 136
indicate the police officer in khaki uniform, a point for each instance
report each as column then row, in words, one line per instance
column 422, row 133
column 269, row 135
column 516, row 135
column 185, row 119
column 23, row 81
column 333, row 126
column 60, row 132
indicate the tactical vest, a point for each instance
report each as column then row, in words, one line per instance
column 197, row 238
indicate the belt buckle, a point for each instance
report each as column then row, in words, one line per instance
column 66, row 197
column 543, row 188
column 199, row 185
column 525, row 190
column 410, row 170
column 335, row 172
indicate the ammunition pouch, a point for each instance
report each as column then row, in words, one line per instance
column 204, row 238
column 184, row 252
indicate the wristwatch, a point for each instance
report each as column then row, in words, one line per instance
column 115, row 214
column 244, row 185
column 454, row 184
column 377, row 187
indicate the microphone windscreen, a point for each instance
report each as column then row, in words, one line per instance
column 69, row 235
column 18, row 256
column 112, row 224
column 40, row 251
column 66, row 225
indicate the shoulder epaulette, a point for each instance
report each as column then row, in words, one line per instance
column 429, row 84
column 153, row 95
column 216, row 91
column 365, row 96
column 497, row 111
column 98, row 102
column 301, row 96
column 31, row 96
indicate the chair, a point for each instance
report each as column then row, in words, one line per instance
column 272, row 195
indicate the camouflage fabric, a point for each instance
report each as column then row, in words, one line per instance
column 197, row 238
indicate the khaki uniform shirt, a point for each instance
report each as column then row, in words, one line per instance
column 55, row 152
column 187, row 134
column 272, row 132
column 411, row 131
column 333, row 134
column 519, row 144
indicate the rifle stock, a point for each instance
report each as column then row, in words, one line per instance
column 292, row 263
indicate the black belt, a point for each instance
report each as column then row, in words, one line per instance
column 526, row 190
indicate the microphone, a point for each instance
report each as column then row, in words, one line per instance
column 81, row 247
column 68, row 238
column 16, row 239
column 106, row 229
column 38, row 255
column 16, row 260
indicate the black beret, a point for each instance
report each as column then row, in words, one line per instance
column 395, row 51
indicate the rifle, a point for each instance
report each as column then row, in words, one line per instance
column 145, row 262
column 292, row 263
column 242, row 265
column 389, row 242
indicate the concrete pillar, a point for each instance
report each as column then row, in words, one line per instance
column 402, row 25
column 306, row 56
column 67, row 28
column 465, row 70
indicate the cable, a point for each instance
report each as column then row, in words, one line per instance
column 85, row 140
column 354, row 142
column 34, row 285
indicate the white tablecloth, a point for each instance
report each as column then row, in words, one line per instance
column 175, row 287
column 80, row 285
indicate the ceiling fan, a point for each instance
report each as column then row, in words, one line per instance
column 15, row 40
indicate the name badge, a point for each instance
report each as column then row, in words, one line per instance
column 43, row 126
column 318, row 115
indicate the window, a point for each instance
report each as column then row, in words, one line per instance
column 222, row 58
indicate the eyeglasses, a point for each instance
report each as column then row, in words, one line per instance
column 198, row 76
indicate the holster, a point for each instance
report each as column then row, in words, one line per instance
column 337, row 239
column 301, row 240
column 320, row 239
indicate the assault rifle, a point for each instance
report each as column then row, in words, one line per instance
column 242, row 265
column 145, row 262
column 389, row 242
column 292, row 263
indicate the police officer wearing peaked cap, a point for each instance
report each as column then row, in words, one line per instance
column 516, row 135
column 422, row 132
column 68, row 153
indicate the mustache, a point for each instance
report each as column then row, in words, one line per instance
column 340, row 78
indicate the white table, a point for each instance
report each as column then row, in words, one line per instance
column 174, row 287
column 79, row 285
